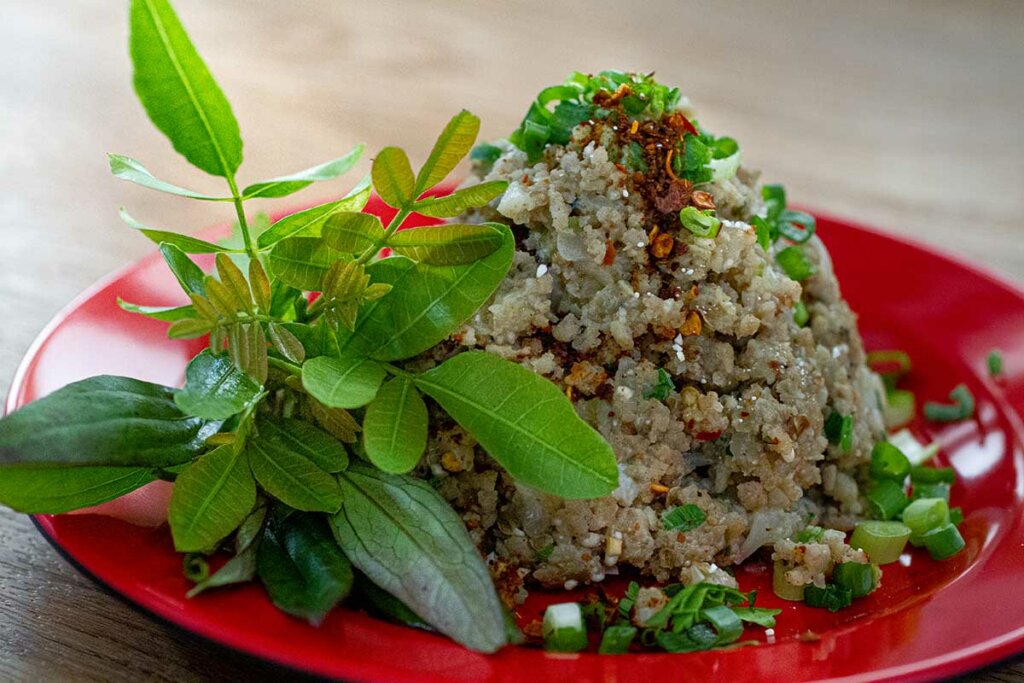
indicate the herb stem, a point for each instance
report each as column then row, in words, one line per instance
column 398, row 372
column 280, row 364
column 393, row 226
column 242, row 223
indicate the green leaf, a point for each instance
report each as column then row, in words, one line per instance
column 392, row 177
column 304, row 571
column 103, row 421
column 305, row 440
column 247, row 348
column 242, row 567
column 308, row 223
column 302, row 262
column 189, row 328
column 178, row 92
column 129, row 169
column 346, row 382
column 427, row 303
column 525, row 423
column 448, row 245
column 352, row 232
column 395, row 427
column 288, row 475
column 51, row 490
column 215, row 388
column 211, row 498
column 400, row 533
column 460, row 201
column 188, row 274
column 286, row 343
column 452, row 145
column 189, row 245
column 165, row 313
column 289, row 184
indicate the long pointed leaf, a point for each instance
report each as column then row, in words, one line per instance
column 452, row 145
column 289, row 184
column 50, row 490
column 308, row 223
column 189, row 245
column 129, row 169
column 302, row 262
column 211, row 498
column 352, row 232
column 190, row 276
column 164, row 313
column 460, row 201
column 448, row 245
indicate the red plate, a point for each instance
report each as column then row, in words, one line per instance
column 928, row 620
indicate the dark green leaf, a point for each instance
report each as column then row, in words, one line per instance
column 382, row 604
column 51, row 489
column 165, row 313
column 448, row 245
column 400, row 533
column 395, row 427
column 286, row 472
column 103, row 421
column 525, row 423
column 303, row 439
column 211, row 498
column 178, row 92
column 289, row 184
column 129, row 169
column 302, row 262
column 304, row 571
column 452, row 145
column 309, row 223
column 352, row 232
column 346, row 382
column 242, row 567
column 215, row 388
column 190, row 245
column 392, row 177
column 188, row 274
column 683, row 518
column 460, row 201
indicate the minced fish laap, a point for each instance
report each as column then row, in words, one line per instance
column 709, row 369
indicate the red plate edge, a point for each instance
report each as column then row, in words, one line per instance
column 952, row 662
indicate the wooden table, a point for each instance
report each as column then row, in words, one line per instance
column 905, row 116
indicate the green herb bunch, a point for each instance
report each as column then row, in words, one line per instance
column 292, row 438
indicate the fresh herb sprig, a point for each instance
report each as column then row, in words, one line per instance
column 298, row 425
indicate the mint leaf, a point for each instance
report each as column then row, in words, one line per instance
column 525, row 423
column 190, row 276
column 211, row 498
column 351, row 232
column 178, row 92
column 215, row 388
column 345, row 382
column 302, row 262
column 452, row 145
column 302, row 568
column 242, row 567
column 392, row 177
column 53, row 489
column 448, row 245
column 129, row 169
column 103, row 421
column 460, row 201
column 293, row 182
column 309, row 223
column 400, row 533
column 395, row 427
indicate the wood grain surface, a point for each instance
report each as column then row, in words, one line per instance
column 904, row 115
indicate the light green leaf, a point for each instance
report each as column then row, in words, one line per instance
column 289, row 184
column 103, row 421
column 448, row 245
column 304, row 571
column 286, row 343
column 395, row 427
column 215, row 388
column 305, row 440
column 460, row 201
column 302, row 262
column 427, row 303
column 525, row 423
column 189, row 328
column 190, row 276
column 291, row 477
column 211, row 498
column 404, row 536
column 452, row 145
column 178, row 92
column 346, row 382
column 165, row 313
column 242, row 567
column 51, row 490
column 129, row 169
column 189, row 245
column 247, row 348
column 352, row 232
column 392, row 177
column 308, row 223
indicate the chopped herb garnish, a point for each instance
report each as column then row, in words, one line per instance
column 858, row 578
column 961, row 408
column 889, row 462
column 944, row 542
column 544, row 554
column 831, row 597
column 700, row 223
column 994, row 361
column 485, row 155
column 800, row 314
column 616, row 639
column 795, row 263
column 810, row 534
column 629, row 599
column 882, row 541
column 932, row 475
column 839, row 430
column 662, row 388
column 886, row 499
column 683, row 518
column 936, row 490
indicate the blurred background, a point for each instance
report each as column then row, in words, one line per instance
column 904, row 116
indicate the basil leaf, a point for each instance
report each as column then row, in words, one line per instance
column 460, row 201
column 291, row 477
column 211, row 498
column 129, row 169
column 51, row 490
column 426, row 304
column 178, row 92
column 400, row 533
column 289, row 184
column 448, row 245
column 525, row 423
column 395, row 427
column 352, row 232
column 103, row 421
column 215, row 388
column 305, row 440
column 190, row 245
column 190, row 276
column 452, row 145
column 165, row 313
column 302, row 568
column 242, row 567
column 302, row 262
column 308, row 223
column 392, row 177
column 345, row 382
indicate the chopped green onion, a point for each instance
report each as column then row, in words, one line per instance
column 800, row 314
column 858, row 578
column 810, row 534
column 831, row 597
column 563, row 628
column 939, row 490
column 900, row 408
column 890, row 364
column 882, row 541
column 700, row 223
column 956, row 515
column 662, row 388
column 684, row 518
column 725, row 622
column 616, row 639
column 944, row 542
column 961, row 408
column 195, row 567
column 995, row 362
column 783, row 588
column 763, row 232
column 795, row 264
column 796, row 226
column 932, row 475
column 889, row 462
column 774, row 200
column 886, row 499
column 839, row 430
column 916, row 452
column 925, row 514
column 485, row 155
